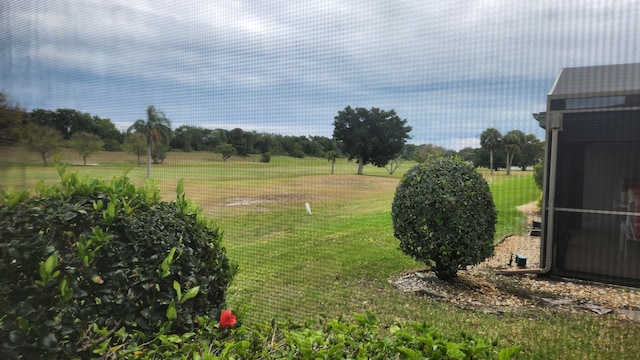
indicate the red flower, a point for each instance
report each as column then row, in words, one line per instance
column 227, row 319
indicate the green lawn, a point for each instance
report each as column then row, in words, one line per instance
column 338, row 260
column 508, row 193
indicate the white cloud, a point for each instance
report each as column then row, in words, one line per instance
column 458, row 144
column 452, row 68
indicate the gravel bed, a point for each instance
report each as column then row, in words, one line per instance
column 480, row 288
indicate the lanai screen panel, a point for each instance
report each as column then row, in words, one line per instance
column 596, row 210
column 597, row 187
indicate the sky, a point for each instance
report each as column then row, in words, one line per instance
column 450, row 68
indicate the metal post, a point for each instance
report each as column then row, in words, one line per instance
column 555, row 123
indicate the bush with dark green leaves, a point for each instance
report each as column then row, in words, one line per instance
column 86, row 259
column 538, row 175
column 265, row 157
column 443, row 213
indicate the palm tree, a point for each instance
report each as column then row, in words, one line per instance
column 513, row 142
column 490, row 140
column 156, row 129
column 332, row 156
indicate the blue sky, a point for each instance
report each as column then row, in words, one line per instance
column 451, row 68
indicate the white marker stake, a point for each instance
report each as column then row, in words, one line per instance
column 308, row 207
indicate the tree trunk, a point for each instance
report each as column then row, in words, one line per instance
column 490, row 165
column 148, row 159
column 44, row 159
column 360, row 165
column 333, row 162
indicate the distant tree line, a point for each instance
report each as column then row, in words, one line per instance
column 514, row 149
column 193, row 138
column 46, row 131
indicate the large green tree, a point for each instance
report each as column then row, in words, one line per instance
column 293, row 146
column 242, row 141
column 11, row 119
column 136, row 143
column 42, row 117
column 106, row 130
column 226, row 150
column 265, row 143
column 482, row 158
column 513, row 142
column 531, row 154
column 157, row 128
column 70, row 121
column 491, row 140
column 325, row 143
column 42, row 139
column 468, row 154
column 425, row 152
column 66, row 121
column 85, row 144
column 370, row 136
column 193, row 138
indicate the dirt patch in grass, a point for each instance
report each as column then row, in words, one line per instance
column 267, row 199
column 480, row 288
column 315, row 189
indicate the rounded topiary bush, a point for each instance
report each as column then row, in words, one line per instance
column 443, row 212
column 85, row 258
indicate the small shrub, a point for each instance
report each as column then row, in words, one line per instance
column 539, row 204
column 443, row 212
column 265, row 157
column 85, row 259
column 538, row 174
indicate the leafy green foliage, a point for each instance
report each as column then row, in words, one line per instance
column 360, row 338
column 370, row 136
column 443, row 212
column 85, row 144
column 46, row 141
column 532, row 153
column 265, row 157
column 87, row 254
column 157, row 132
column 425, row 152
column 491, row 140
column 191, row 138
column 513, row 142
column 226, row 150
column 11, row 118
column 538, row 175
column 136, row 144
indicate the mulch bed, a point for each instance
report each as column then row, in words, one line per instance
column 480, row 288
